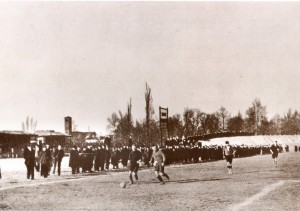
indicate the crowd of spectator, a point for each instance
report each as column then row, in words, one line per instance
column 102, row 157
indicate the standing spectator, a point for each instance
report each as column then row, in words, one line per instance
column 84, row 160
column 79, row 159
column 44, row 161
column 228, row 153
column 74, row 160
column 115, row 158
column 107, row 157
column 147, row 156
column 58, row 156
column 100, row 158
column 90, row 158
column 87, row 158
column 167, row 152
column 54, row 151
column 124, row 155
column 37, row 158
column 97, row 159
column 274, row 149
column 12, row 152
column 49, row 157
column 29, row 156
column 194, row 154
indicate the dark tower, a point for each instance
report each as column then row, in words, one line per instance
column 68, row 125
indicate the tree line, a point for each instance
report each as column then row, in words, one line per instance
column 195, row 122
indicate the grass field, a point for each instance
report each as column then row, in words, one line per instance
column 256, row 184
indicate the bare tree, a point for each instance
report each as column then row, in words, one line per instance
column 149, row 109
column 276, row 123
column 129, row 123
column 113, row 121
column 29, row 125
column 129, row 114
column 290, row 123
column 204, row 118
column 121, row 124
column 175, row 126
column 236, row 123
column 188, row 122
column 23, row 127
column 74, row 126
column 34, row 126
column 223, row 115
column 255, row 115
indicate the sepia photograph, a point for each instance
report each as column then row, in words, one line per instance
column 150, row 105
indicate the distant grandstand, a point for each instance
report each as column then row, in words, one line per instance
column 218, row 135
column 291, row 140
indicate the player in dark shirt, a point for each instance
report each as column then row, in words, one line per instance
column 133, row 165
column 274, row 149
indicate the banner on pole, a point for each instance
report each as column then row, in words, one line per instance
column 163, row 114
column 163, row 122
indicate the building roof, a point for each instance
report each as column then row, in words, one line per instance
column 43, row 133
column 83, row 136
column 16, row 132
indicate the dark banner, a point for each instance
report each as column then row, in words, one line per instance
column 163, row 114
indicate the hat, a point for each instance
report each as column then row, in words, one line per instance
column 33, row 142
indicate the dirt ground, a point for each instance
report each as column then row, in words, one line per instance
column 256, row 184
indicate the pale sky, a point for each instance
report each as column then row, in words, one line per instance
column 87, row 59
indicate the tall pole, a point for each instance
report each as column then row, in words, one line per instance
column 160, row 126
column 255, row 109
column 163, row 122
column 168, row 123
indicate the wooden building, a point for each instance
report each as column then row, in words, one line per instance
column 82, row 138
column 52, row 138
column 12, row 143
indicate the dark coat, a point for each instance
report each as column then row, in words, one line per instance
column 125, row 154
column 107, row 155
column 59, row 154
column 115, row 157
column 44, row 160
column 100, row 156
column 74, row 158
column 29, row 156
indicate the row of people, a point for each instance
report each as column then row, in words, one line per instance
column 42, row 160
column 101, row 157
column 297, row 148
